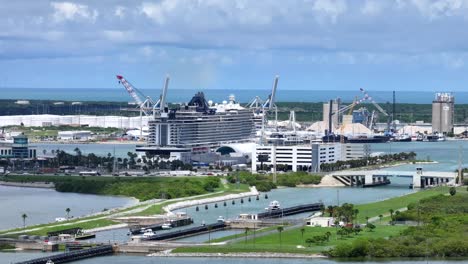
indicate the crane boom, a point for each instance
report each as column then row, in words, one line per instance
column 270, row 102
column 162, row 102
column 130, row 89
column 368, row 98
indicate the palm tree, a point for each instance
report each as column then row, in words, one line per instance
column 209, row 232
column 246, row 231
column 302, row 232
column 322, row 209
column 330, row 209
column 280, row 230
column 24, row 216
column 356, row 212
column 68, row 212
column 380, row 217
column 391, row 215
column 328, row 235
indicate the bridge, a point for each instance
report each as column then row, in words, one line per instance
column 421, row 179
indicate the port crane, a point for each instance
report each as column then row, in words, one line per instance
column 381, row 110
column 369, row 98
column 147, row 106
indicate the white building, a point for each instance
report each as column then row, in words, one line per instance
column 306, row 157
column 321, row 221
column 78, row 120
column 74, row 135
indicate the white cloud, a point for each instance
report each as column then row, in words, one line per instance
column 64, row 11
column 147, row 51
column 329, row 10
column 441, row 8
column 119, row 11
column 372, row 7
column 158, row 11
column 116, row 35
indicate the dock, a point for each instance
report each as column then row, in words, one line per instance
column 73, row 255
column 290, row 210
column 135, row 230
column 188, row 232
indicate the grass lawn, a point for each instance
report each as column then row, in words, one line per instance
column 293, row 241
column 383, row 207
column 228, row 189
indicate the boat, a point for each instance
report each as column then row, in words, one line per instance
column 403, row 138
column 49, row 262
column 273, row 206
column 420, row 137
column 83, row 236
column 220, row 219
column 368, row 139
column 435, row 137
column 148, row 233
column 166, row 226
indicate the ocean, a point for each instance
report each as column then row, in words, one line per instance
column 218, row 95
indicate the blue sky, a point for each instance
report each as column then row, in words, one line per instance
column 419, row 45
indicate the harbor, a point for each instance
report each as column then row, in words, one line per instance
column 199, row 132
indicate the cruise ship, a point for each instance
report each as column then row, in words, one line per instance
column 198, row 125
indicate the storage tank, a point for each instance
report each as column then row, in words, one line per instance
column 443, row 108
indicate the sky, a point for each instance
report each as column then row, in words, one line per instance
column 417, row 45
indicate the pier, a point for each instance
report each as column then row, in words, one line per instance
column 188, row 232
column 73, row 255
column 370, row 178
column 237, row 222
column 290, row 211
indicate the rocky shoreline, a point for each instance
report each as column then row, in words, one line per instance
column 47, row 185
column 239, row 255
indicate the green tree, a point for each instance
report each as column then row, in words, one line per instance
column 380, row 218
column 452, row 191
column 246, row 232
column 371, row 227
column 356, row 212
column 280, row 229
column 24, row 216
column 391, row 215
column 328, row 235
column 302, row 232
column 68, row 212
column 309, row 241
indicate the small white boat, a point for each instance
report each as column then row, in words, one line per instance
column 49, row 262
column 166, row 226
column 220, row 219
column 148, row 233
column 274, row 205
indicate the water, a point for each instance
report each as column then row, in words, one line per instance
column 218, row 95
column 44, row 205
column 126, row 259
column 445, row 153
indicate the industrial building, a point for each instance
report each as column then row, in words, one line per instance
column 443, row 108
column 123, row 122
column 306, row 157
column 74, row 135
column 326, row 114
column 18, row 149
